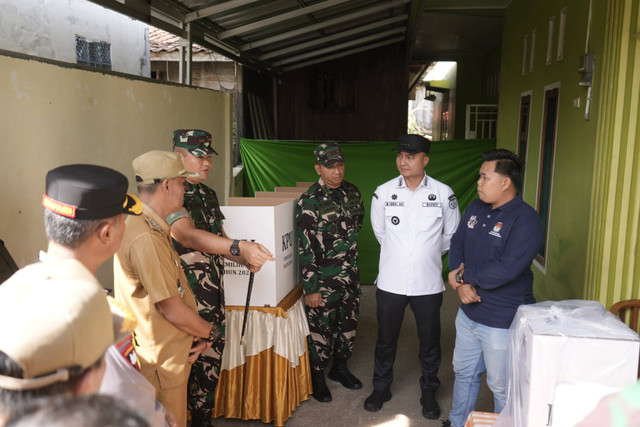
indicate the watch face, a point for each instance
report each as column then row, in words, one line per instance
column 459, row 277
column 234, row 249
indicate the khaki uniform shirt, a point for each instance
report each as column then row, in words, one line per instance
column 146, row 271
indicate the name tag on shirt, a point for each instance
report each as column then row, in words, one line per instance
column 431, row 205
column 400, row 204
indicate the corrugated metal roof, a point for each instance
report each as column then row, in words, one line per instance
column 280, row 35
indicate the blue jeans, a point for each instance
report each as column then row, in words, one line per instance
column 478, row 348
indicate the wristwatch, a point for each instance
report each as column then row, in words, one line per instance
column 459, row 277
column 235, row 249
column 214, row 334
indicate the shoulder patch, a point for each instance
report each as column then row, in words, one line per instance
column 453, row 202
column 174, row 216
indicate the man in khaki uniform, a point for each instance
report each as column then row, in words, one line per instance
column 149, row 281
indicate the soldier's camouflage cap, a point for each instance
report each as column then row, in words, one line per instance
column 196, row 141
column 328, row 154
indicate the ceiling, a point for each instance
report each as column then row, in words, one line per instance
column 281, row 35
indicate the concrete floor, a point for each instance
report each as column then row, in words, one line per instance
column 404, row 408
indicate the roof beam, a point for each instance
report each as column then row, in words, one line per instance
column 217, row 8
column 340, row 46
column 310, row 28
column 342, row 35
column 279, row 18
column 345, row 53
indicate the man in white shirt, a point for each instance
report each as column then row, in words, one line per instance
column 413, row 217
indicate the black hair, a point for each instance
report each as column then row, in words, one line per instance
column 507, row 164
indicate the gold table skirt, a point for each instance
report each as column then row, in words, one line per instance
column 269, row 376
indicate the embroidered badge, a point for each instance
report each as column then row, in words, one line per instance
column 453, row 202
column 395, row 220
column 432, row 197
column 394, row 197
column 472, row 221
column 496, row 230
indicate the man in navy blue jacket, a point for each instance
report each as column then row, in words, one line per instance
column 490, row 260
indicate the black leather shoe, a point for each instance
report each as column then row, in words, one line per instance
column 374, row 402
column 446, row 423
column 341, row 374
column 320, row 391
column 430, row 408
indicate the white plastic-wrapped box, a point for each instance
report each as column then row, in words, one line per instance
column 557, row 342
column 271, row 222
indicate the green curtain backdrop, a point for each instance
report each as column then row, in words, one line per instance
column 270, row 164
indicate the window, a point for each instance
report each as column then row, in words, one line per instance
column 561, row 30
column 552, row 22
column 481, row 121
column 533, row 50
column 523, row 134
column 545, row 173
column 94, row 54
column 524, row 54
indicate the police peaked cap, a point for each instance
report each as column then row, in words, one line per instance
column 89, row 192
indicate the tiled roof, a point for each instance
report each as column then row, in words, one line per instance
column 162, row 41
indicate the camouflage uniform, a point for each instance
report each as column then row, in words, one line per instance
column 204, row 272
column 328, row 224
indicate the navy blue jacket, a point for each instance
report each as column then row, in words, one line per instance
column 497, row 247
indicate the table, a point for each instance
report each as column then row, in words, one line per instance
column 269, row 376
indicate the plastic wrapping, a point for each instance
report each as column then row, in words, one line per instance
column 556, row 342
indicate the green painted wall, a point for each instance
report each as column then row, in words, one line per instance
column 575, row 137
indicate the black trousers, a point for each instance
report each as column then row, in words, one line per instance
column 426, row 310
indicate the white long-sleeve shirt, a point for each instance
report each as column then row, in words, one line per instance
column 414, row 229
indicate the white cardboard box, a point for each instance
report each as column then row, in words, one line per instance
column 271, row 222
column 605, row 353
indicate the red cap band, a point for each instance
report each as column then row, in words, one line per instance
column 57, row 207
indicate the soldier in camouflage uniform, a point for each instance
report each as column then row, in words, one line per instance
column 202, row 247
column 329, row 216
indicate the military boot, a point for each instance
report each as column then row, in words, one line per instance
column 320, row 391
column 341, row 374
column 201, row 419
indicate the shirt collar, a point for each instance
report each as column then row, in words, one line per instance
column 403, row 184
column 155, row 218
column 511, row 204
column 328, row 189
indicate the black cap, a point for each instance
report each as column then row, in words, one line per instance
column 413, row 144
column 89, row 192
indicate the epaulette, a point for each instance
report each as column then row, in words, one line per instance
column 154, row 225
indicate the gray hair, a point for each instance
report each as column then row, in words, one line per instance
column 69, row 232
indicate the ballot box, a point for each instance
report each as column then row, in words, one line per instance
column 271, row 222
column 556, row 342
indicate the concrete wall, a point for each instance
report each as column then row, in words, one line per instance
column 48, row 28
column 564, row 274
column 89, row 117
